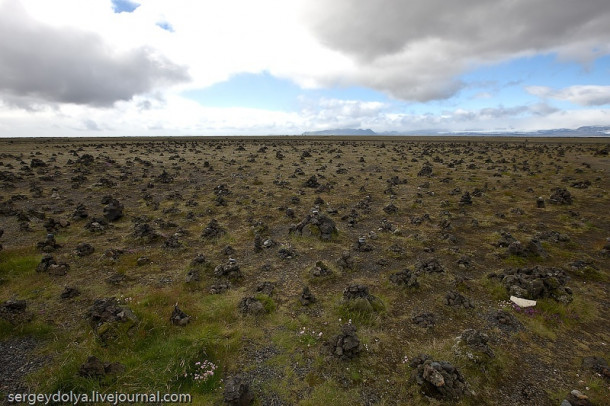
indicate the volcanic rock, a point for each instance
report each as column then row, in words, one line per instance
column 237, row 391
column 345, row 345
column 405, row 277
column 229, row 270
column 346, row 261
column 219, row 288
column 321, row 270
column 113, row 211
column 429, row 266
column 84, row 249
column 69, row 293
column 426, row 320
column 560, row 196
column 178, row 317
column 454, row 298
column 95, row 368
column 536, row 283
column 438, row 379
column 212, row 230
column 307, row 297
column 250, row 305
column 192, row 275
column 473, row 345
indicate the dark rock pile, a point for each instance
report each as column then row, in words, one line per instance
column 505, row 240
column 553, row 236
column 454, row 298
column 321, row 270
column 597, row 365
column 390, row 209
column 473, row 345
column 307, row 297
column 173, row 241
column 84, row 249
column 356, row 292
column 49, row 244
column 178, row 317
column 96, row 225
column 266, row 288
column 532, row 249
column 429, row 266
column 346, row 345
column 363, row 246
column 193, row 275
column 325, row 225
column 357, row 297
column 560, row 196
column 438, row 379
column 80, row 212
column 466, row 199
column 286, row 252
column 165, row 177
column 346, row 261
column 198, row 260
column 576, row 398
column 581, row 184
column 425, row 320
column 145, row 232
column 312, row 182
column 219, row 288
column 52, row 225
column 105, row 313
column 14, row 311
column 250, row 305
column 69, row 293
column 426, row 170
column 405, row 277
column 212, row 230
column 536, row 283
column 113, row 211
column 237, row 392
column 230, row 270
column 95, row 368
column 50, row 266
column 505, row 321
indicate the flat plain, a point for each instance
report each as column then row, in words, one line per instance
column 307, row 270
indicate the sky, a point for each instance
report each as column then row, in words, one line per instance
column 243, row 67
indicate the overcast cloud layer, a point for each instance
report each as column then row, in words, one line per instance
column 40, row 63
column 415, row 49
column 69, row 67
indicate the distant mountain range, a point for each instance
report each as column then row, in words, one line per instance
column 588, row 131
column 342, row 131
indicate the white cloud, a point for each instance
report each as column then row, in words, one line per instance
column 584, row 95
column 42, row 63
column 415, row 50
column 412, row 51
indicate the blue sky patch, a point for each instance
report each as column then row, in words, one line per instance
column 166, row 26
column 265, row 91
column 124, row 6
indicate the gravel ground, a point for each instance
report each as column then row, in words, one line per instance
column 16, row 361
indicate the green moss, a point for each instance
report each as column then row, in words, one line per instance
column 268, row 302
column 515, row 260
column 18, row 262
column 496, row 290
column 361, row 311
column 330, row 392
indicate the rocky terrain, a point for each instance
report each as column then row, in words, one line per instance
column 284, row 271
